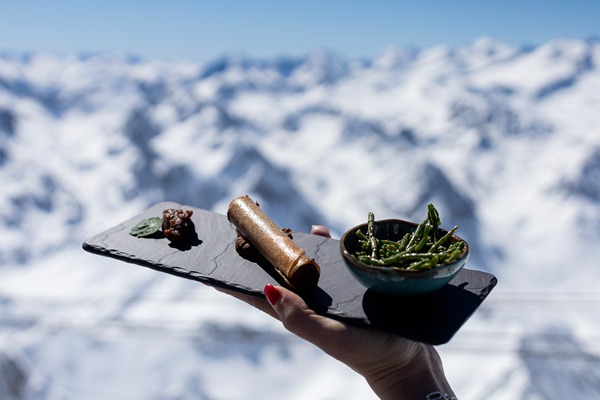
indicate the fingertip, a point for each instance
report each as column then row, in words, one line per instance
column 320, row 230
column 272, row 294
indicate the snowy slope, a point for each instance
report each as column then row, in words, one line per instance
column 505, row 142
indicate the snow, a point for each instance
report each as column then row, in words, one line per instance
column 504, row 141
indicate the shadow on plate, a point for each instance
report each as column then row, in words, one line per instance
column 430, row 318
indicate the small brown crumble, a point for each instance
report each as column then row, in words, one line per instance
column 177, row 224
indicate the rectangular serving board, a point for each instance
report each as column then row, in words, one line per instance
column 212, row 259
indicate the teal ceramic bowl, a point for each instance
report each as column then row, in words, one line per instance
column 391, row 281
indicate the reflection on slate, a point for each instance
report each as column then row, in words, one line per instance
column 212, row 259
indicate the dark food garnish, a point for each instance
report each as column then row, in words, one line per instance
column 177, row 225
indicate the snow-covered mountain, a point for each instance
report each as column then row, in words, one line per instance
column 504, row 141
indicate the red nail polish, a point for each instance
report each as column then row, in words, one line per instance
column 272, row 294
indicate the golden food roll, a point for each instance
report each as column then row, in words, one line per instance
column 289, row 260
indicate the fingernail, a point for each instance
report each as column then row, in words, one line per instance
column 272, row 294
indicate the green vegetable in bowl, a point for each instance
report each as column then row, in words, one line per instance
column 424, row 248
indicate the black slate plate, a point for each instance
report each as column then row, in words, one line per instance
column 212, row 259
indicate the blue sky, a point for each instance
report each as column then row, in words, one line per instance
column 201, row 30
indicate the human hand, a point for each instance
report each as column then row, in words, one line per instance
column 394, row 367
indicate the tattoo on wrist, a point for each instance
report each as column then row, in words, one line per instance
column 437, row 395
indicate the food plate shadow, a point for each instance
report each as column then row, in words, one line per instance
column 188, row 244
column 316, row 298
column 430, row 318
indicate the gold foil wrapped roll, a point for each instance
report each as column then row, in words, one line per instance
column 289, row 260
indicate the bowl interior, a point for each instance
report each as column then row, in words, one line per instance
column 389, row 229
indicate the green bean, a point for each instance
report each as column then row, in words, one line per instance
column 425, row 238
column 416, row 235
column 406, row 256
column 360, row 234
column 371, row 236
column 404, row 241
column 434, row 219
column 423, row 264
column 454, row 253
column 443, row 239
column 364, row 258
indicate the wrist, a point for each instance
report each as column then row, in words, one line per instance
column 422, row 378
